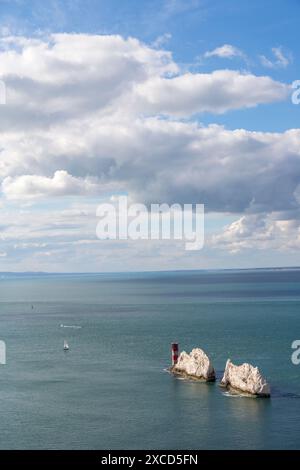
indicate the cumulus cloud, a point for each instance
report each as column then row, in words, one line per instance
column 34, row 186
column 160, row 160
column 216, row 92
column 260, row 231
column 69, row 76
column 91, row 105
column 92, row 114
column 227, row 51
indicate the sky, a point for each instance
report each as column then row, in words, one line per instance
column 170, row 101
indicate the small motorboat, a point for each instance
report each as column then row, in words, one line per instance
column 66, row 346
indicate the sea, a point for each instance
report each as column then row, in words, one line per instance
column 112, row 389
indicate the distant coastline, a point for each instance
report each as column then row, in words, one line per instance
column 167, row 271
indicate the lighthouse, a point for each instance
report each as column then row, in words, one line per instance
column 174, row 348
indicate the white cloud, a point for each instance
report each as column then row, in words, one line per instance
column 260, row 232
column 83, row 117
column 82, row 104
column 34, row 186
column 227, row 170
column 227, row 51
column 281, row 59
column 216, row 92
column 70, row 76
column 171, row 161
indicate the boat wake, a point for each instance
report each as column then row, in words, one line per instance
column 75, row 327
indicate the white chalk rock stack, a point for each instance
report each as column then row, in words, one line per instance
column 245, row 378
column 196, row 365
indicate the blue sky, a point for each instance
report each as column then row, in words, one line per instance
column 190, row 28
column 191, row 69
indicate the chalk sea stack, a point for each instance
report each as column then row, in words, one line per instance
column 245, row 378
column 196, row 365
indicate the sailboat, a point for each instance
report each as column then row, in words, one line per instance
column 66, row 346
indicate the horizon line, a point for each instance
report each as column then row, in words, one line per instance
column 265, row 268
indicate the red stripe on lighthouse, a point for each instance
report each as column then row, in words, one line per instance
column 174, row 347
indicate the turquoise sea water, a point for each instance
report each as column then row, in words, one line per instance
column 110, row 391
